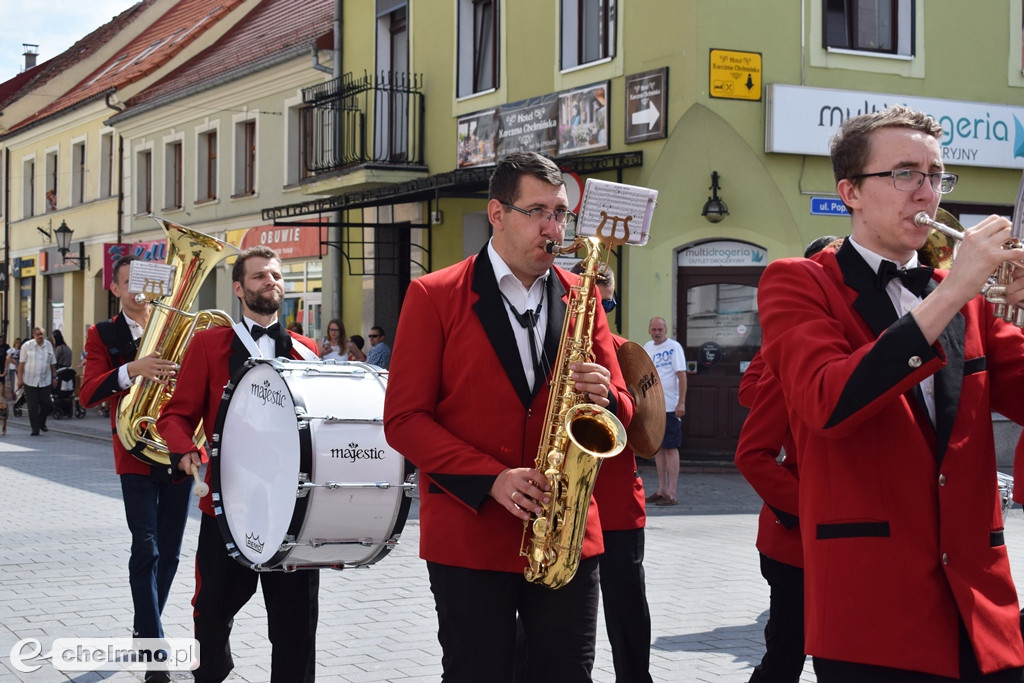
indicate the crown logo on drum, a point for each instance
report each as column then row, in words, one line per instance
column 253, row 542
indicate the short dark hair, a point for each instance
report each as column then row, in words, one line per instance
column 380, row 329
column 504, row 184
column 121, row 263
column 850, row 146
column 259, row 251
column 818, row 244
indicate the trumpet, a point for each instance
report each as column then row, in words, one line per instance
column 995, row 290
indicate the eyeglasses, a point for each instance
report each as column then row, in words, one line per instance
column 333, row 329
column 908, row 181
column 540, row 215
column 373, row 336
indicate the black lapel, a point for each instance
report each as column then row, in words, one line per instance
column 127, row 346
column 873, row 304
column 949, row 379
column 553, row 333
column 238, row 355
column 494, row 319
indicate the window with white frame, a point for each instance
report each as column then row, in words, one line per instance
column 872, row 26
column 478, row 46
column 106, row 188
column 173, row 175
column 299, row 143
column 52, row 175
column 144, row 182
column 206, row 166
column 245, row 158
column 588, row 31
column 28, row 188
column 78, row 172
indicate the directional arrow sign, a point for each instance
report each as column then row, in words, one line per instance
column 647, row 116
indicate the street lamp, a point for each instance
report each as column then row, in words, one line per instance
column 714, row 208
column 64, row 235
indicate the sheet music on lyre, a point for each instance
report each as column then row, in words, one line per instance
column 153, row 279
column 616, row 213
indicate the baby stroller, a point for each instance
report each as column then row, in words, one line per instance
column 65, row 403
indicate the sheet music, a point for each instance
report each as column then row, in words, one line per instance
column 153, row 279
column 616, row 212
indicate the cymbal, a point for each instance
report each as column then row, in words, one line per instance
column 646, row 430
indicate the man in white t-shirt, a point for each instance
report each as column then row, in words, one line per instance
column 670, row 361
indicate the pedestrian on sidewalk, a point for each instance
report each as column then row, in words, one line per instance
column 670, row 360
column 37, row 372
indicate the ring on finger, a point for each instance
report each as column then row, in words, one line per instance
column 513, row 496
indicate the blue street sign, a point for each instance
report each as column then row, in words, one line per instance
column 828, row 206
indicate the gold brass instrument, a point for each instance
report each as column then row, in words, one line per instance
column 577, row 437
column 168, row 333
column 995, row 290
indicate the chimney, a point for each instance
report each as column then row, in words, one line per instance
column 30, row 54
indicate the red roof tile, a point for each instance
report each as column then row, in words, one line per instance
column 150, row 50
column 275, row 28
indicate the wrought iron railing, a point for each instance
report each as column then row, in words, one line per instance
column 366, row 120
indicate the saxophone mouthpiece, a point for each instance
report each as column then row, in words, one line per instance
column 553, row 248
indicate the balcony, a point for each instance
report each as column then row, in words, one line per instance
column 366, row 123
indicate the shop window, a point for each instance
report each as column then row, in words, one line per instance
column 588, row 31
column 478, row 46
column 878, row 26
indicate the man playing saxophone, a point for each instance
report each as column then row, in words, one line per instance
column 469, row 382
column 155, row 502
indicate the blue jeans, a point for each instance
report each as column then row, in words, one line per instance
column 156, row 510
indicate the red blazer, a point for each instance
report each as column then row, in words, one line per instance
column 458, row 407
column 902, row 526
column 99, row 383
column 764, row 433
column 212, row 357
column 619, row 490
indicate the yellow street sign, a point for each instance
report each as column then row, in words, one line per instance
column 735, row 75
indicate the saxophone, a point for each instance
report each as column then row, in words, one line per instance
column 577, row 437
column 168, row 332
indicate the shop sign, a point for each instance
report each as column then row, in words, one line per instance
column 646, row 105
column 734, row 75
column 723, row 253
column 290, row 242
column 802, row 120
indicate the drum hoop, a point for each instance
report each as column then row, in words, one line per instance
column 305, row 464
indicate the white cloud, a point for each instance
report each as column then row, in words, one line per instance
column 54, row 26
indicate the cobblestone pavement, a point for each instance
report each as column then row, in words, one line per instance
column 64, row 555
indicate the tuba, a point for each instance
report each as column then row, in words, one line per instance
column 168, row 333
column 576, row 438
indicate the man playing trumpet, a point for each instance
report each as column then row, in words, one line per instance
column 890, row 374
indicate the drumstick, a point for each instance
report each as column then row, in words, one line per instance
column 201, row 488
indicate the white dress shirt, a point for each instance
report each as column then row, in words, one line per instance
column 523, row 299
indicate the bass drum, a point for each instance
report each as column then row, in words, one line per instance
column 301, row 474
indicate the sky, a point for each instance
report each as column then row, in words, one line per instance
column 53, row 25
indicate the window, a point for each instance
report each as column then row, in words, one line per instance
column 144, row 182
column 299, row 155
column 478, row 46
column 51, row 181
column 305, row 142
column 588, row 31
column 78, row 172
column 206, row 176
column 106, row 188
column 28, row 191
column 172, row 175
column 245, row 158
column 879, row 26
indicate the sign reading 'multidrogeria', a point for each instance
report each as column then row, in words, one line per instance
column 800, row 120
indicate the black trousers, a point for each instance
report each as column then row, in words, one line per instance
column 39, row 406
column 223, row 586
column 832, row 671
column 783, row 660
column 476, row 616
column 626, row 614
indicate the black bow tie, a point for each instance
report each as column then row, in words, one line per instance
column 282, row 340
column 914, row 279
